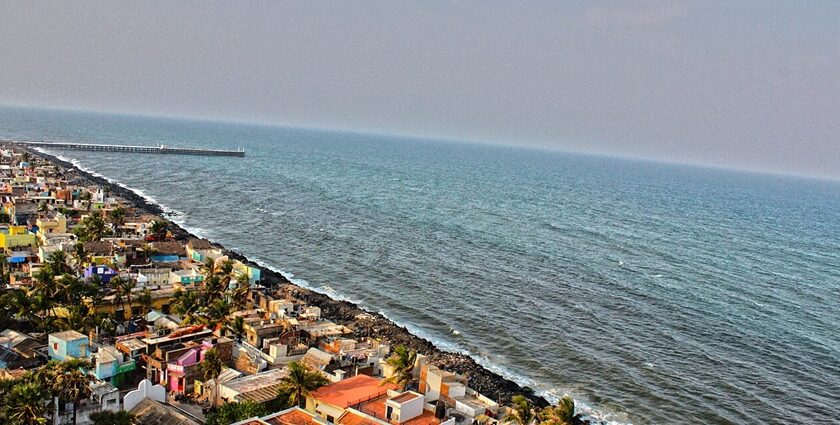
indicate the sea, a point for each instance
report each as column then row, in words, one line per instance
column 652, row 293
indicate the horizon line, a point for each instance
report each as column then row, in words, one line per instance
column 424, row 137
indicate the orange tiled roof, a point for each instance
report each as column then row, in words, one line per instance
column 294, row 417
column 376, row 408
column 352, row 418
column 351, row 390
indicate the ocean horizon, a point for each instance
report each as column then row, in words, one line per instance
column 651, row 292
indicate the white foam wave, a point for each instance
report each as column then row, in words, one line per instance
column 178, row 217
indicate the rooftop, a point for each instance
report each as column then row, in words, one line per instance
column 68, row 335
column 293, row 416
column 351, row 390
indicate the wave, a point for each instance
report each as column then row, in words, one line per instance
column 551, row 394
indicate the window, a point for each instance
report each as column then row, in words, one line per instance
column 330, row 419
column 55, row 346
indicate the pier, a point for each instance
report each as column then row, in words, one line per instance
column 161, row 149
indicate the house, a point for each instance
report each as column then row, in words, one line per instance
column 111, row 365
column 438, row 384
column 13, row 237
column 330, row 401
column 68, row 344
column 174, row 359
column 100, row 252
column 153, row 276
column 290, row 416
column 52, row 223
column 201, row 249
column 394, row 408
column 166, row 252
column 104, row 273
column 27, row 351
column 150, row 411
column 259, row 388
column 187, row 278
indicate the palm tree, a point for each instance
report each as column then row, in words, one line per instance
column 159, row 229
column 85, row 197
column 26, row 403
column 239, row 295
column 145, row 300
column 522, row 412
column 185, row 304
column 218, row 314
column 117, row 219
column 402, row 362
column 211, row 368
column 122, row 290
column 238, row 327
column 80, row 255
column 75, row 386
column 300, row 383
column 561, row 414
column 57, row 263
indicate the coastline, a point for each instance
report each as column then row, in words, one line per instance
column 363, row 322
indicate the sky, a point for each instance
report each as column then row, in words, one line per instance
column 744, row 84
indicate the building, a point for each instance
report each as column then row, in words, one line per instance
column 290, row 416
column 186, row 278
column 259, row 388
column 104, row 273
column 15, row 237
column 68, row 344
column 330, row 401
column 109, row 364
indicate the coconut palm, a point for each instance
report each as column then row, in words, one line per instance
column 145, row 300
column 57, row 263
column 561, row 414
column 522, row 412
column 75, row 385
column 79, row 254
column 300, row 383
column 26, row 403
column 159, row 229
column 122, row 289
column 211, row 368
column 402, row 362
column 117, row 218
column 185, row 304
column 238, row 327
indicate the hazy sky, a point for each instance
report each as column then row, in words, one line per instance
column 736, row 83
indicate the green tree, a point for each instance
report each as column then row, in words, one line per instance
column 561, row 414
column 238, row 327
column 402, row 363
column 186, row 304
column 145, row 300
column 522, row 412
column 211, row 368
column 109, row 417
column 159, row 228
column 25, row 404
column 117, row 218
column 229, row 413
column 300, row 383
column 75, row 387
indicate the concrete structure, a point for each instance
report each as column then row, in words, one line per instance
column 68, row 344
column 131, row 148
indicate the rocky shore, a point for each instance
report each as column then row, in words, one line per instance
column 363, row 322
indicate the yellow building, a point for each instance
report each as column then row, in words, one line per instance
column 57, row 224
column 16, row 237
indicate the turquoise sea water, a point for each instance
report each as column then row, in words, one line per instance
column 653, row 293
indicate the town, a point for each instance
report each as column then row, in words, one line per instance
column 111, row 315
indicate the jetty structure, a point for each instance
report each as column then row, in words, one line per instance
column 160, row 149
